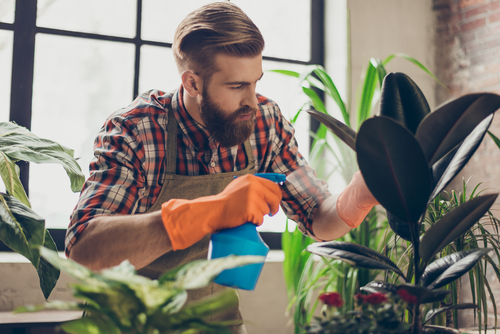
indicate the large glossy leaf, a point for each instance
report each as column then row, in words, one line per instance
column 399, row 227
column 199, row 273
column 454, row 224
column 380, row 286
column 423, row 294
column 11, row 179
column 21, row 229
column 47, row 273
column 394, row 167
column 437, row 267
column 460, row 158
column 354, row 254
column 72, row 268
column 459, row 268
column 432, row 313
column 345, row 133
column 403, row 101
column 18, row 143
column 445, row 128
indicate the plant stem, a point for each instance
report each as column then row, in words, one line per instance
column 417, row 319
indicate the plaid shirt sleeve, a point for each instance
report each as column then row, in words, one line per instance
column 303, row 191
column 122, row 150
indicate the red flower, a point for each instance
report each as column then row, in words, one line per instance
column 332, row 299
column 375, row 298
column 407, row 297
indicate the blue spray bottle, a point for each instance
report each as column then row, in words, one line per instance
column 241, row 240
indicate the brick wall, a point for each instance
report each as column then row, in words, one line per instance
column 467, row 60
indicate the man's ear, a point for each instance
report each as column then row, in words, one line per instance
column 192, row 83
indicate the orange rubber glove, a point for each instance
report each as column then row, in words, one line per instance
column 246, row 199
column 355, row 201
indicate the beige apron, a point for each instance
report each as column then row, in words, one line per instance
column 191, row 187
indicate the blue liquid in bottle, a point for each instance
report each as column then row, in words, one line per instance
column 241, row 240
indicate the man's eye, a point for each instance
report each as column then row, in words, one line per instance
column 237, row 87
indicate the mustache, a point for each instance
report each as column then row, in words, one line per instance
column 244, row 111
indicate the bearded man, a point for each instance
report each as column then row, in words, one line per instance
column 163, row 176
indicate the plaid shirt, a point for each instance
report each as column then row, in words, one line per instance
column 128, row 169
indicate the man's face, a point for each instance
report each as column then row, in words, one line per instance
column 229, row 104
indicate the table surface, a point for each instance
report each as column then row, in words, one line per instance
column 42, row 317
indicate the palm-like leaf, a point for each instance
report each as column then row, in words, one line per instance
column 394, row 167
column 356, row 255
column 432, row 313
column 342, row 131
column 403, row 101
column 454, row 224
column 445, row 128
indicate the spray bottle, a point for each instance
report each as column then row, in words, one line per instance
column 241, row 240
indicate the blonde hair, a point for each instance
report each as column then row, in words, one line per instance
column 219, row 27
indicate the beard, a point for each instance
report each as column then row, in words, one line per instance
column 226, row 129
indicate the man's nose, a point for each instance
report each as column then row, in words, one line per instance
column 251, row 99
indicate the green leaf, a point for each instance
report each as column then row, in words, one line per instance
column 345, row 133
column 432, row 313
column 403, row 101
column 367, row 92
column 394, row 168
column 75, row 270
column 356, row 255
column 21, row 229
column 437, row 267
column 91, row 324
column 47, row 273
column 453, row 224
column 459, row 268
column 445, row 128
column 18, row 143
column 200, row 273
column 287, row 72
column 331, row 89
column 315, row 99
column 495, row 139
column 11, row 179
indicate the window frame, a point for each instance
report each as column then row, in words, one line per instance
column 24, row 29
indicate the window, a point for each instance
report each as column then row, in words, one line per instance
column 86, row 59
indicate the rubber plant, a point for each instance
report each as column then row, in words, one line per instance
column 21, row 229
column 407, row 156
column 300, row 274
column 117, row 300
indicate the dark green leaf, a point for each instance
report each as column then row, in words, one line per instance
column 445, row 128
column 460, row 158
column 437, row 267
column 394, row 167
column 458, row 269
column 432, row 313
column 454, row 224
column 495, row 139
column 91, row 324
column 399, row 227
column 47, row 273
column 21, row 228
column 403, row 101
column 356, row 255
column 423, row 294
column 380, row 286
column 345, row 133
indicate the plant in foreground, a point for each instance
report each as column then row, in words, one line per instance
column 407, row 156
column 117, row 300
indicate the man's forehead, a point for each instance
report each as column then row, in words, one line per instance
column 238, row 69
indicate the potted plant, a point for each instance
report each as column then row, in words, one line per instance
column 117, row 300
column 407, row 156
column 21, row 229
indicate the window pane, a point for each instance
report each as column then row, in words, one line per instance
column 6, row 42
column 285, row 24
column 110, row 17
column 77, row 84
column 165, row 76
column 7, row 10
column 285, row 91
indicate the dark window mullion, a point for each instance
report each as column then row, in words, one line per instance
column 138, row 43
column 23, row 60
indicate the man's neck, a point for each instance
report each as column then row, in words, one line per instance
column 192, row 106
